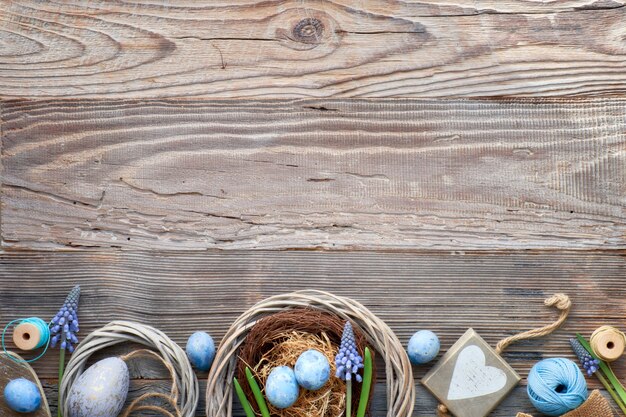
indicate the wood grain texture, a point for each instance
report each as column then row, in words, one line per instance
column 497, row 294
column 289, row 48
column 187, row 174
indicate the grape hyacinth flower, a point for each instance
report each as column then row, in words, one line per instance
column 65, row 323
column 348, row 362
column 589, row 364
column 64, row 328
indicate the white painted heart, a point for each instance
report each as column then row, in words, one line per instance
column 472, row 378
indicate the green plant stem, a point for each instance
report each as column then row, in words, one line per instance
column 61, row 372
column 258, row 395
column 617, row 386
column 614, row 395
column 348, row 398
column 247, row 408
column 367, row 383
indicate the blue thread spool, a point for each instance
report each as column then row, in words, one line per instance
column 30, row 334
column 556, row 386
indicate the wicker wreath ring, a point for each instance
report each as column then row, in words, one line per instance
column 185, row 383
column 399, row 374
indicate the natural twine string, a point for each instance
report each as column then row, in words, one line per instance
column 171, row 399
column 185, row 390
column 561, row 302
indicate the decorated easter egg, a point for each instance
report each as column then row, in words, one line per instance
column 281, row 387
column 312, row 370
column 200, row 350
column 423, row 347
column 101, row 390
column 22, row 395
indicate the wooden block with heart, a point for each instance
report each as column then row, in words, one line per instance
column 471, row 378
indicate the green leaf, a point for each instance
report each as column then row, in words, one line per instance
column 617, row 386
column 258, row 395
column 608, row 387
column 242, row 399
column 367, row 383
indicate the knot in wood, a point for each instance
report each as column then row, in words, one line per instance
column 309, row 30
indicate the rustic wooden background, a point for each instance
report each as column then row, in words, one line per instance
column 448, row 163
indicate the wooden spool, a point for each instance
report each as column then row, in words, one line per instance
column 26, row 336
column 608, row 343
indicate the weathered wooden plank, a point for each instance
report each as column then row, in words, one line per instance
column 187, row 174
column 372, row 48
column 497, row 294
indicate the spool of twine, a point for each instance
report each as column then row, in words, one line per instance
column 28, row 334
column 559, row 301
column 31, row 334
column 608, row 343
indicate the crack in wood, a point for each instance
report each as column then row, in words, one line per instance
column 97, row 204
column 164, row 194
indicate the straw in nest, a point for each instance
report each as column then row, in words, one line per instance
column 279, row 339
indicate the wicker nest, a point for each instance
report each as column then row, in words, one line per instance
column 279, row 338
column 399, row 375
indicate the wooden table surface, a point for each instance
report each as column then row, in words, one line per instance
column 448, row 163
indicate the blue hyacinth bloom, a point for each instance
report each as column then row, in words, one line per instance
column 65, row 323
column 589, row 364
column 348, row 360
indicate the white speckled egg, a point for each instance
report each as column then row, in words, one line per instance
column 423, row 347
column 101, row 390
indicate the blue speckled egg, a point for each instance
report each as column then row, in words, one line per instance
column 423, row 347
column 22, row 395
column 101, row 390
column 312, row 370
column 200, row 350
column 281, row 387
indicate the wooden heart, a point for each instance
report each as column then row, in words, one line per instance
column 9, row 370
column 472, row 377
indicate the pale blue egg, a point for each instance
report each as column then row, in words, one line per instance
column 22, row 395
column 200, row 350
column 281, row 387
column 101, row 390
column 312, row 370
column 423, row 347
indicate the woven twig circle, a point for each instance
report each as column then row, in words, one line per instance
column 399, row 374
column 117, row 332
